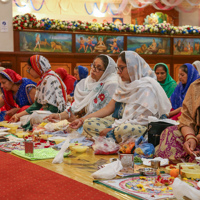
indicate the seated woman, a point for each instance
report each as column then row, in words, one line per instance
column 178, row 143
column 196, row 64
column 187, row 75
column 164, row 78
column 50, row 93
column 68, row 79
column 80, row 73
column 18, row 93
column 94, row 92
column 138, row 96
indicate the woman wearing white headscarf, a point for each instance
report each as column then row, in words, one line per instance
column 196, row 64
column 50, row 91
column 138, row 96
column 94, row 92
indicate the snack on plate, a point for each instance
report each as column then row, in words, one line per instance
column 57, row 126
column 22, row 134
column 60, row 125
column 13, row 128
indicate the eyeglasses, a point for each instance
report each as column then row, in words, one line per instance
column 28, row 70
column 97, row 69
column 120, row 69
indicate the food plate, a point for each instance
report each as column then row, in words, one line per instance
column 2, row 129
column 57, row 140
column 4, row 133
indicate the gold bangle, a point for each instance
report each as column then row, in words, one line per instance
column 191, row 137
column 16, row 117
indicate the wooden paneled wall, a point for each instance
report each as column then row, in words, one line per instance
column 70, row 60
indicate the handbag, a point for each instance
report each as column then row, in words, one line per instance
column 154, row 131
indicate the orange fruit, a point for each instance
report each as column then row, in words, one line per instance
column 174, row 172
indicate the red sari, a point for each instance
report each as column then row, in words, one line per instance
column 9, row 101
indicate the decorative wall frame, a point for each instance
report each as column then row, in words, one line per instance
column 45, row 42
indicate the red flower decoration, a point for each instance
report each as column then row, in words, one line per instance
column 95, row 100
column 101, row 83
column 101, row 96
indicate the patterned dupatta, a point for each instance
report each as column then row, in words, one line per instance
column 43, row 68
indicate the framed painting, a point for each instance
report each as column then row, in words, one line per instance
column 149, row 45
column 45, row 42
column 186, row 46
column 99, row 43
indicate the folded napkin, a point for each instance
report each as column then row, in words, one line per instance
column 181, row 189
column 39, row 154
column 109, row 171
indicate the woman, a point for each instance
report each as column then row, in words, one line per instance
column 164, row 78
column 18, row 92
column 178, row 143
column 196, row 64
column 80, row 73
column 51, row 91
column 94, row 92
column 138, row 96
column 187, row 75
column 68, row 79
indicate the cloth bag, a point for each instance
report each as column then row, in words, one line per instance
column 154, row 131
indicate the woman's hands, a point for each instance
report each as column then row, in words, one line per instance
column 53, row 117
column 14, row 118
column 105, row 131
column 190, row 145
column 76, row 123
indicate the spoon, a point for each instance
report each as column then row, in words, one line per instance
column 196, row 157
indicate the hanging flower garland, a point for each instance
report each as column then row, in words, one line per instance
column 28, row 20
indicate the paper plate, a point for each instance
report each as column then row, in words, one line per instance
column 2, row 129
column 43, row 112
column 4, row 133
column 163, row 162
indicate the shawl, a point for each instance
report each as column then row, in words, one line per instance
column 170, row 84
column 67, row 79
column 190, row 109
column 82, row 71
column 197, row 64
column 12, row 76
column 180, row 91
column 89, row 92
column 50, row 88
column 143, row 96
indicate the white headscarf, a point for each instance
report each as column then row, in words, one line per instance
column 88, row 89
column 143, row 95
column 197, row 64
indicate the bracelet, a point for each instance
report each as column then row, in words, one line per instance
column 192, row 137
column 81, row 119
column 60, row 116
column 188, row 134
column 16, row 117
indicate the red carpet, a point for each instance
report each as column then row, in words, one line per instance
column 22, row 180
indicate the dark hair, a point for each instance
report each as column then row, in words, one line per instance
column 122, row 56
column 4, row 77
column 29, row 62
column 160, row 65
column 104, row 59
column 184, row 68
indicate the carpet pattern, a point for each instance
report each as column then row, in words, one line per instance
column 23, row 180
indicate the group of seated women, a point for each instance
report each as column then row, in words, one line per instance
column 116, row 99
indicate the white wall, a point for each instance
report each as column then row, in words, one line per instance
column 6, row 38
column 189, row 18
